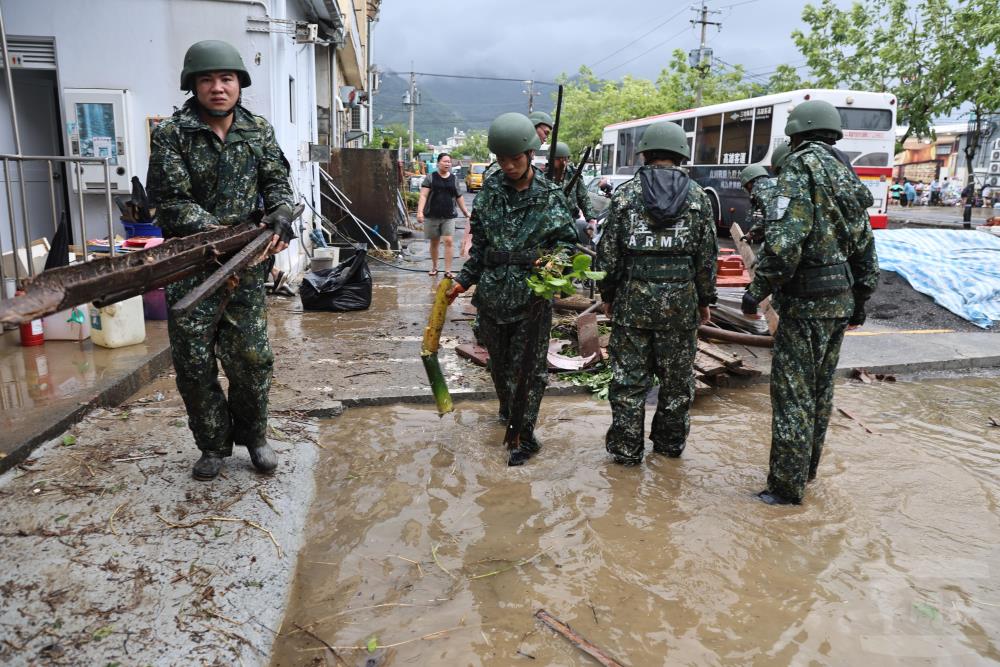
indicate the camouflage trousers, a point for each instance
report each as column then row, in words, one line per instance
column 805, row 358
column 509, row 352
column 636, row 356
column 238, row 338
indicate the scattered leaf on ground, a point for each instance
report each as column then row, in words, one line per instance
column 102, row 633
column 68, row 440
column 372, row 644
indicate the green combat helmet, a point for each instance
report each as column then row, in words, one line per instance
column 812, row 116
column 512, row 134
column 562, row 150
column 778, row 156
column 751, row 174
column 212, row 56
column 665, row 136
column 541, row 118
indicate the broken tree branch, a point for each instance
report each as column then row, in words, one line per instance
column 576, row 639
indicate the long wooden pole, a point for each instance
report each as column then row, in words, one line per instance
column 576, row 639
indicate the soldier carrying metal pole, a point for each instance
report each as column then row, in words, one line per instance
column 210, row 165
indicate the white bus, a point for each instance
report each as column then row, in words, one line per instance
column 724, row 138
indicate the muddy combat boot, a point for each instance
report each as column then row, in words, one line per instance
column 673, row 451
column 524, row 451
column 263, row 457
column 208, row 466
column 772, row 498
column 627, row 461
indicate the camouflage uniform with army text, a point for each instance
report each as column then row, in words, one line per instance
column 761, row 195
column 526, row 224
column 819, row 265
column 658, row 275
column 198, row 180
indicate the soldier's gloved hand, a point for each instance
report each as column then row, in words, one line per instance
column 280, row 222
column 754, row 235
column 858, row 317
column 749, row 304
column 455, row 290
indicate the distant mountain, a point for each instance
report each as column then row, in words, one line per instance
column 446, row 103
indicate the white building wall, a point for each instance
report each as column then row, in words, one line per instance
column 139, row 46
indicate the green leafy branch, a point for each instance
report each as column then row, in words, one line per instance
column 554, row 274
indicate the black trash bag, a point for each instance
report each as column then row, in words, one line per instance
column 347, row 286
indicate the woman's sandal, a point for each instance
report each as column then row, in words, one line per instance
column 448, row 274
column 432, row 272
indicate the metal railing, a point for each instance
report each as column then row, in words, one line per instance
column 77, row 163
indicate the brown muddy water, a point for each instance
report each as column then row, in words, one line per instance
column 423, row 542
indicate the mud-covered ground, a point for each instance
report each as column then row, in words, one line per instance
column 896, row 304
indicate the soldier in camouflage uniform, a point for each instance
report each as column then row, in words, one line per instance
column 213, row 163
column 517, row 216
column 760, row 187
column 819, row 265
column 659, row 250
column 577, row 199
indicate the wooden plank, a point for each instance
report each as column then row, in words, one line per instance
column 749, row 260
column 707, row 366
column 730, row 359
column 477, row 354
column 701, row 388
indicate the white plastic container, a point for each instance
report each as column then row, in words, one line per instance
column 60, row 326
column 118, row 325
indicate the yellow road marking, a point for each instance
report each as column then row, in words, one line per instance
column 900, row 331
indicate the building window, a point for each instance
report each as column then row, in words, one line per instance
column 356, row 118
column 291, row 99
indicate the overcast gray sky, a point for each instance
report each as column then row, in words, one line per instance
column 539, row 39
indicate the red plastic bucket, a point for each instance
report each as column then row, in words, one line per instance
column 32, row 333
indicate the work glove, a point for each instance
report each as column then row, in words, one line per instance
column 754, row 235
column 859, row 316
column 280, row 222
column 749, row 304
column 455, row 290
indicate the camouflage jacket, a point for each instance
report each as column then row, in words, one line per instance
column 578, row 198
column 196, row 179
column 817, row 218
column 504, row 219
column 683, row 252
column 760, row 196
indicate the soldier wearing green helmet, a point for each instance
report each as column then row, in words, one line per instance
column 778, row 156
column 210, row 165
column 517, row 216
column 760, row 186
column 577, row 199
column 543, row 124
column 819, row 267
column 659, row 250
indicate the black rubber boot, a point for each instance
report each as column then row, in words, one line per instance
column 626, row 460
column 772, row 498
column 524, row 451
column 263, row 457
column 208, row 466
column 673, row 452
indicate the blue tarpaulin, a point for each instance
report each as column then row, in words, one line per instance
column 960, row 270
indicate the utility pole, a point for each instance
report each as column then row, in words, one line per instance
column 531, row 93
column 699, row 61
column 411, row 98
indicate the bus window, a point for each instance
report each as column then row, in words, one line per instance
column 736, row 136
column 625, row 148
column 688, row 124
column 690, row 145
column 708, row 139
column 879, row 120
column 607, row 153
column 873, row 160
column 761, row 134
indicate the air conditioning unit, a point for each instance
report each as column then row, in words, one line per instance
column 993, row 181
column 995, row 156
column 995, row 168
column 996, row 144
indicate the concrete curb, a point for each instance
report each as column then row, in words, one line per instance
column 112, row 395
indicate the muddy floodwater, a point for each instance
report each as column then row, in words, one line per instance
column 423, row 543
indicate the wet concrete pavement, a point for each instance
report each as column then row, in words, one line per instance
column 48, row 387
column 424, row 543
column 948, row 217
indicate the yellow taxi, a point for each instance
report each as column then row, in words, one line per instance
column 474, row 177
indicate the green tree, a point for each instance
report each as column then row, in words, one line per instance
column 931, row 54
column 474, row 147
column 393, row 133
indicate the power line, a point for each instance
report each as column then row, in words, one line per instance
column 654, row 47
column 637, row 39
column 471, row 76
